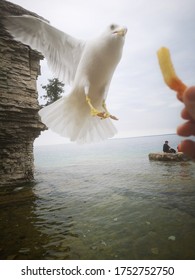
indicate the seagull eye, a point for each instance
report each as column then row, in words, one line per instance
column 112, row 26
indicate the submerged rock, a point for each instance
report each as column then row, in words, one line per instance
column 155, row 251
column 172, row 237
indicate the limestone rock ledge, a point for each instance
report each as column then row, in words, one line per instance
column 168, row 157
column 19, row 120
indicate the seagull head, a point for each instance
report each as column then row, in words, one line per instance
column 114, row 30
column 117, row 30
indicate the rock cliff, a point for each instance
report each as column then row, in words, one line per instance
column 19, row 120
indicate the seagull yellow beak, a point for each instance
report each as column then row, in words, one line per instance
column 121, row 32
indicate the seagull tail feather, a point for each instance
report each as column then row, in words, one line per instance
column 70, row 117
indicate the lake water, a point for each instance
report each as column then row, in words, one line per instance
column 102, row 201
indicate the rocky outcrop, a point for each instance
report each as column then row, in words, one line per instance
column 168, row 157
column 19, row 120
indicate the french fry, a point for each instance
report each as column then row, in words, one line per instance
column 168, row 72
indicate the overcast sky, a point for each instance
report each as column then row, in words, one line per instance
column 137, row 95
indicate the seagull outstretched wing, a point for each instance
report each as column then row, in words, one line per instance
column 62, row 51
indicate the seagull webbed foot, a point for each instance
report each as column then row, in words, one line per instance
column 95, row 112
column 107, row 113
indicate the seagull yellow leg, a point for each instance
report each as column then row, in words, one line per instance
column 95, row 112
column 105, row 108
column 108, row 115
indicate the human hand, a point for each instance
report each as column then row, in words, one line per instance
column 188, row 128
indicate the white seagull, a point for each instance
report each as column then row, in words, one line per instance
column 87, row 66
